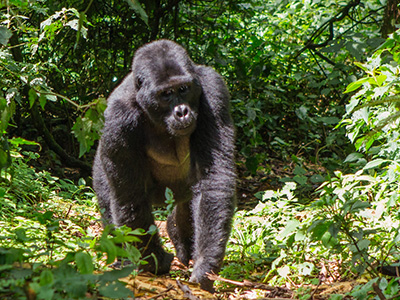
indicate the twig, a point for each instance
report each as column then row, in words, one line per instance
column 338, row 17
column 52, row 143
column 69, row 210
column 186, row 290
column 316, row 288
column 378, row 291
column 245, row 283
column 163, row 293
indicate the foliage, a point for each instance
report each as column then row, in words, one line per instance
column 259, row 238
column 286, row 96
column 287, row 64
column 164, row 212
column 352, row 222
column 49, row 247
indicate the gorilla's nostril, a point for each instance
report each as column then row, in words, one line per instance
column 181, row 111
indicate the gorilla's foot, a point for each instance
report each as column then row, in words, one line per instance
column 205, row 283
column 160, row 265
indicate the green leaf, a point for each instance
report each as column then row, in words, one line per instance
column 153, row 229
column 299, row 170
column 329, row 120
column 353, row 157
column 380, row 79
column 46, row 277
column 316, row 178
column 363, row 244
column 109, row 247
column 77, row 288
column 169, row 195
column 20, row 141
column 300, row 236
column 290, row 227
column 300, row 179
column 137, row 7
column 42, row 101
column 82, row 132
column 361, row 66
column 301, row 112
column 133, row 253
column 5, row 35
column 318, row 228
column 116, row 290
column 51, row 97
column 42, row 292
column 336, row 297
column 353, row 103
column 5, row 157
column 84, row 263
column 359, row 205
column 375, row 163
column 21, row 235
column 116, row 274
column 355, row 85
column 32, row 97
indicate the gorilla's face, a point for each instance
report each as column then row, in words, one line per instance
column 178, row 107
column 167, row 89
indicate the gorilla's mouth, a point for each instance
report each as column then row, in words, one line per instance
column 182, row 129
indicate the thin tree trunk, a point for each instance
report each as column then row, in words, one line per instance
column 391, row 17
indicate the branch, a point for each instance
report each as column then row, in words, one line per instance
column 39, row 122
column 329, row 61
column 51, row 142
column 338, row 17
column 378, row 291
column 245, row 283
column 186, row 290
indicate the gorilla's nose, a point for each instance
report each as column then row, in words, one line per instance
column 182, row 113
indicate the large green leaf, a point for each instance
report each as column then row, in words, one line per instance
column 84, row 263
column 5, row 35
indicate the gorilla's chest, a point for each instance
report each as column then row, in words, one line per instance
column 169, row 159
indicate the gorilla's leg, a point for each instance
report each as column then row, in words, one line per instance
column 100, row 184
column 180, row 231
column 140, row 216
column 212, row 225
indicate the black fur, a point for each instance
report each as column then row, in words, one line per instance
column 168, row 125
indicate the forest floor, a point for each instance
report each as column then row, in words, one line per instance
column 147, row 286
column 175, row 285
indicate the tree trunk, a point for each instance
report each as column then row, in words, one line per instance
column 391, row 17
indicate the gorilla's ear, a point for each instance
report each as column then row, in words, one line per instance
column 138, row 82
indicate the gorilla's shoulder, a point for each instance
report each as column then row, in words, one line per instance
column 125, row 90
column 213, row 86
column 121, row 103
column 124, row 93
column 209, row 75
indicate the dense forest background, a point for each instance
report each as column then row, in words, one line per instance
column 314, row 88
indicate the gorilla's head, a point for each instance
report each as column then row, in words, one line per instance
column 167, row 87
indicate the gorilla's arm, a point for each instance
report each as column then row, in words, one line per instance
column 121, row 188
column 214, row 195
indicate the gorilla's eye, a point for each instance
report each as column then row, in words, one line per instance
column 139, row 82
column 167, row 93
column 183, row 88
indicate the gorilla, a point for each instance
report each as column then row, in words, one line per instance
column 168, row 125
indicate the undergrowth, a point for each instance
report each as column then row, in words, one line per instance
column 50, row 242
column 51, row 246
column 351, row 230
